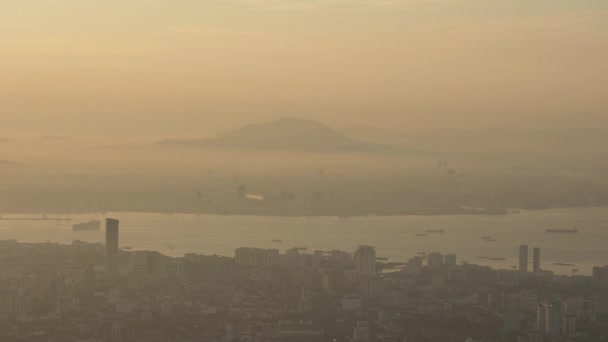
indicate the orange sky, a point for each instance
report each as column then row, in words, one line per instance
column 184, row 67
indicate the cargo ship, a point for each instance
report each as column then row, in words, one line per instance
column 91, row 225
column 569, row 231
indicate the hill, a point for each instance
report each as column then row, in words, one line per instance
column 285, row 134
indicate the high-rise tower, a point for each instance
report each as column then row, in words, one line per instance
column 523, row 258
column 365, row 260
column 111, row 245
column 536, row 260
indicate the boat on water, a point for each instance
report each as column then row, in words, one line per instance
column 562, row 264
column 564, row 230
column 439, row 231
column 421, row 234
column 91, row 225
column 277, row 240
column 492, row 258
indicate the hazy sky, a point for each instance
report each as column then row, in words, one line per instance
column 188, row 67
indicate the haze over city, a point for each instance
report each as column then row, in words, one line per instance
column 303, row 170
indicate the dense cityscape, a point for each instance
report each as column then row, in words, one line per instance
column 95, row 292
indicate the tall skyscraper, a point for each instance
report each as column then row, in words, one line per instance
column 365, row 260
column 536, row 260
column 523, row 258
column 111, row 245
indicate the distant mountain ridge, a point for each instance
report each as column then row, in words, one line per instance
column 9, row 163
column 285, row 134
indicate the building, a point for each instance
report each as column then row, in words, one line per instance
column 568, row 318
column 450, row 260
column 361, row 332
column 512, row 322
column 351, row 302
column 111, row 245
column 256, row 257
column 536, row 260
column 523, row 258
column 416, row 262
column 365, row 260
column 297, row 331
column 89, row 279
column 554, row 320
column 434, row 260
column 541, row 317
column 600, row 274
column 549, row 318
column 394, row 298
column 342, row 259
column 13, row 305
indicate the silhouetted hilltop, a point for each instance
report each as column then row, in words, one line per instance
column 9, row 163
column 286, row 134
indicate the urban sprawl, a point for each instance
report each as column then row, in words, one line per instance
column 92, row 293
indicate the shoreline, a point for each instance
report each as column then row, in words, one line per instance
column 35, row 216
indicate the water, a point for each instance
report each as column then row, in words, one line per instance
column 394, row 237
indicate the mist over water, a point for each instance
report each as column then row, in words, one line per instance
column 394, row 237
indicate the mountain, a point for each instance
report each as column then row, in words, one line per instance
column 9, row 163
column 285, row 134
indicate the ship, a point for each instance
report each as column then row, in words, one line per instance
column 570, row 231
column 492, row 258
column 91, row 225
column 439, row 231
column 562, row 264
